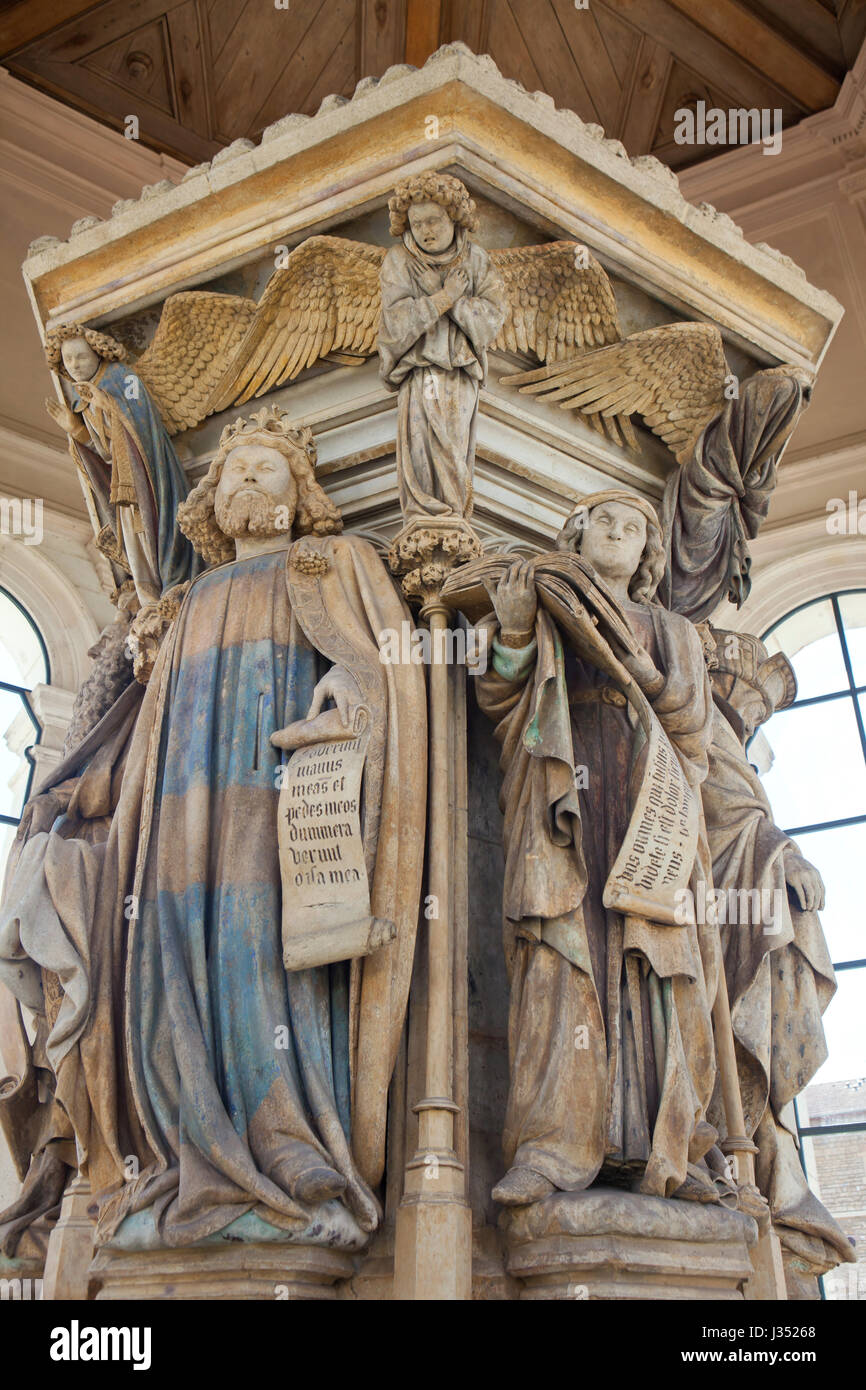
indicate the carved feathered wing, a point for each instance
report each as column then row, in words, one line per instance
column 197, row 338
column 674, row 376
column 560, row 303
column 559, row 300
column 326, row 300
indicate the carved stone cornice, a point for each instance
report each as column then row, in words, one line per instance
column 510, row 145
column 843, row 125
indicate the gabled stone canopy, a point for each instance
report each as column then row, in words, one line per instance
column 538, row 173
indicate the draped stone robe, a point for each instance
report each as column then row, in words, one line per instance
column 610, row 1035
column 182, row 1001
column 716, row 502
column 779, row 984
column 133, row 481
column 436, row 363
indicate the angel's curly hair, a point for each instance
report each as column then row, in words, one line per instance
column 315, row 513
column 106, row 347
column 443, row 189
column 650, row 571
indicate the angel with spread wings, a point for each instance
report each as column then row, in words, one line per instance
column 434, row 307
column 727, row 436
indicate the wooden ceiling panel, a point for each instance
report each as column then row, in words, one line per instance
column 644, row 95
column 588, row 45
column 190, row 64
column 507, row 48
column 323, row 61
column 257, row 56
column 684, row 89
column 621, row 40
column 202, row 73
column 552, row 57
column 337, row 74
column 381, row 35
column 223, row 18
column 140, row 63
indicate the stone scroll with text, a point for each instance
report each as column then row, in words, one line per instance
column 326, row 890
column 655, row 860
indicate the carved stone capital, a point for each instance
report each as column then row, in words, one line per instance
column 426, row 551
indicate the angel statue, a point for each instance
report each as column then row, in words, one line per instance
column 779, row 974
column 434, row 306
column 250, row 1094
column 727, row 437
column 119, row 432
column 603, row 710
column 442, row 307
column 339, row 300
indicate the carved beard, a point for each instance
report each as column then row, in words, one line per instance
column 253, row 514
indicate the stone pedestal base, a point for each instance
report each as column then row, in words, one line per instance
column 433, row 1252
column 234, row 1271
column 610, row 1244
column 70, row 1246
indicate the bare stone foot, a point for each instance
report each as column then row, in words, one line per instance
column 318, row 1185
column 520, row 1186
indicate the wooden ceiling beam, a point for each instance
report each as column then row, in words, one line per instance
column 764, row 49
column 644, row 96
column 381, row 36
column 32, row 19
column 423, row 24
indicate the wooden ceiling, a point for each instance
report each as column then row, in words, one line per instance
column 201, row 73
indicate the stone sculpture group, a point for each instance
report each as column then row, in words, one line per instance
column 202, row 1082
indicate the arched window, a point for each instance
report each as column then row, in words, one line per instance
column 23, row 664
column 814, row 772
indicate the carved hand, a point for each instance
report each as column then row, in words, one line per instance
column 515, row 602
column 68, row 421
column 644, row 670
column 339, row 686
column 456, row 284
column 41, row 812
column 805, row 881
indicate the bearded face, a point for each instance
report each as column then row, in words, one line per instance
column 251, row 514
column 256, row 494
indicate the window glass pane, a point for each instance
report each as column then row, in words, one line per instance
column 21, row 658
column 17, row 732
column 818, row 773
column 852, row 609
column 836, row 1168
column 839, row 856
column 810, row 640
column 844, row 1031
